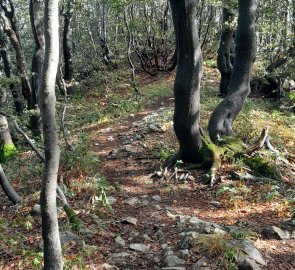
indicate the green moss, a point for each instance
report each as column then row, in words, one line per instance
column 7, row 151
column 263, row 167
column 75, row 221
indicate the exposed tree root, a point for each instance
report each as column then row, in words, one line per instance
column 233, row 149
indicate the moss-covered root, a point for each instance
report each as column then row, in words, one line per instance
column 7, row 151
column 75, row 221
column 263, row 167
column 211, row 155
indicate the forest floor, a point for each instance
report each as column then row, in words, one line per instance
column 110, row 182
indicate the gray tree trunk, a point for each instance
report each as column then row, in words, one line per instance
column 38, row 56
column 16, row 94
column 8, row 188
column 221, row 120
column 50, row 231
column 20, row 60
column 187, row 81
column 225, row 54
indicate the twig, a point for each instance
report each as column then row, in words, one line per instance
column 259, row 143
column 37, row 151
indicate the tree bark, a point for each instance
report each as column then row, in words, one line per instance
column 38, row 56
column 225, row 57
column 50, row 231
column 221, row 120
column 67, row 42
column 187, row 81
column 20, row 61
column 8, row 188
column 16, row 94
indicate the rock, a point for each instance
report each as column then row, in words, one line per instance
column 36, row 210
column 172, row 260
column 107, row 266
column 65, row 237
column 120, row 255
column 183, row 254
column 146, row 237
column 248, row 264
column 111, row 139
column 131, row 201
column 130, row 220
column 153, row 128
column 200, row 264
column 157, row 198
column 112, row 200
column 145, row 202
column 273, row 232
column 156, row 259
column 129, row 149
column 168, row 253
column 172, row 268
column 120, row 241
column 245, row 249
column 170, row 215
column 158, row 207
column 113, row 154
column 68, row 236
column 139, row 247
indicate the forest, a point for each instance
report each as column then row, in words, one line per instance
column 155, row 135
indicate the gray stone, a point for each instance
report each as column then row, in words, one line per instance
column 112, row 200
column 107, row 266
column 120, row 255
column 68, row 236
column 120, row 241
column 130, row 220
column 145, row 202
column 113, row 154
column 245, row 249
column 273, row 232
column 168, row 253
column 172, row 268
column 183, row 254
column 200, row 264
column 129, row 149
column 248, row 264
column 156, row 259
column 139, row 247
column 172, row 260
column 131, row 201
column 158, row 207
column 157, row 198
column 36, row 211
column 146, row 237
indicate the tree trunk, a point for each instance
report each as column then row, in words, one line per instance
column 225, row 57
column 187, row 81
column 7, row 147
column 67, row 42
column 221, row 120
column 16, row 94
column 50, row 231
column 20, row 61
column 8, row 188
column 38, row 56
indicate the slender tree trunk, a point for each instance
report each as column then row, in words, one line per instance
column 16, row 94
column 50, row 231
column 8, row 188
column 38, row 56
column 224, row 57
column 20, row 61
column 7, row 147
column 67, row 42
column 187, row 81
column 221, row 120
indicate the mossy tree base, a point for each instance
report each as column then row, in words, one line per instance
column 233, row 150
column 7, row 151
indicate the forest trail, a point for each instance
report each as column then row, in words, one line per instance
column 146, row 210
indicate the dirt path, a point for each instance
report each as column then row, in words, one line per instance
column 127, row 158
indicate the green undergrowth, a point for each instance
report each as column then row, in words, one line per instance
column 7, row 152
